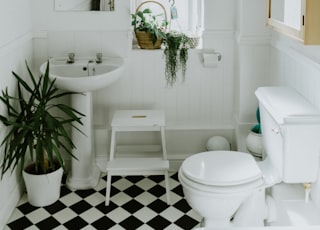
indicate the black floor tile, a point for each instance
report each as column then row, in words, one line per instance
column 158, row 206
column 85, row 193
column 49, row 223
column 132, row 206
column 64, row 191
column 178, row 190
column 182, row 205
column 20, row 224
column 131, row 223
column 106, row 209
column 26, row 208
column 186, row 222
column 76, row 223
column 175, row 176
column 80, row 207
column 159, row 223
column 134, row 179
column 133, row 191
column 113, row 178
column 103, row 223
column 156, row 178
column 55, row 207
column 113, row 191
column 157, row 190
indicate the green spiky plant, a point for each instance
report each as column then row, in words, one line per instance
column 257, row 127
column 33, row 128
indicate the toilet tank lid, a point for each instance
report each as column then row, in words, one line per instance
column 286, row 105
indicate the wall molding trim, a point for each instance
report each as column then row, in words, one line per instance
column 218, row 34
column 296, row 52
column 253, row 40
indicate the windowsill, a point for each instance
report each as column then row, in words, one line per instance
column 136, row 47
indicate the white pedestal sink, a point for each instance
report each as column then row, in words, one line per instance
column 84, row 76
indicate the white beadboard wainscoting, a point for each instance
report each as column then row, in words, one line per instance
column 197, row 108
column 13, row 55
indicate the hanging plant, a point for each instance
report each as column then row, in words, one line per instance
column 176, row 56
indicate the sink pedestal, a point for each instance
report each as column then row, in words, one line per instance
column 84, row 172
column 84, row 76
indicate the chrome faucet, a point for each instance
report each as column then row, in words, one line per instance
column 88, row 69
column 98, row 58
column 70, row 59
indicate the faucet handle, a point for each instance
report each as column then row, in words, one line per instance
column 70, row 58
column 98, row 57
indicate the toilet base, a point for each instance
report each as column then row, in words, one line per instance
column 252, row 212
column 207, row 223
column 253, row 206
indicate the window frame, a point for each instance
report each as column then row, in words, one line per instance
column 193, row 22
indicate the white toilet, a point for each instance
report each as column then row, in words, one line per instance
column 227, row 185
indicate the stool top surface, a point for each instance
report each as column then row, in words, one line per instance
column 138, row 118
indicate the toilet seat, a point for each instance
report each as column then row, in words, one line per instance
column 221, row 171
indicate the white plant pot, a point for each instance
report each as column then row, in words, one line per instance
column 254, row 144
column 43, row 190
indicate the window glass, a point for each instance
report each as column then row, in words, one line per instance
column 183, row 15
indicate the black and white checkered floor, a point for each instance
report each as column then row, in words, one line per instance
column 137, row 202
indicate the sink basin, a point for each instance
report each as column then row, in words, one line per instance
column 82, row 75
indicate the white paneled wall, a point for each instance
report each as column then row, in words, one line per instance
column 297, row 66
column 196, row 109
column 12, row 58
column 199, row 102
column 15, row 49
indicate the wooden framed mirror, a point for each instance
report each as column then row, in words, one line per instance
column 298, row 19
column 84, row 5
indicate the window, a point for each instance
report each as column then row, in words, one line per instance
column 189, row 17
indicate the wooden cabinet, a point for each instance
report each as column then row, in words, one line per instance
column 299, row 19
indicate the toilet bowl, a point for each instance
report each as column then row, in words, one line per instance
column 215, row 184
column 221, row 185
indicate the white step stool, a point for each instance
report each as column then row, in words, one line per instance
column 135, row 121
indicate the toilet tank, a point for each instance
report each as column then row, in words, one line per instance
column 291, row 133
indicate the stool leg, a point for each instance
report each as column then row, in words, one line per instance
column 112, row 144
column 108, row 189
column 163, row 142
column 166, row 179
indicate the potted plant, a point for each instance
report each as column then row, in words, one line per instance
column 176, row 55
column 36, row 127
column 254, row 139
column 149, row 28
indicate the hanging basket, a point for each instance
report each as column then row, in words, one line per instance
column 193, row 41
column 145, row 39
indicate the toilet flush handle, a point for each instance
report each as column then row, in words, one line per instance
column 276, row 130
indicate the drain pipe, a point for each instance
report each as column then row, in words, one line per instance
column 307, row 189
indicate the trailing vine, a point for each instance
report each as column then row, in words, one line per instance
column 176, row 56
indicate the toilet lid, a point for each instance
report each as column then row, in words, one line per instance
column 221, row 168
